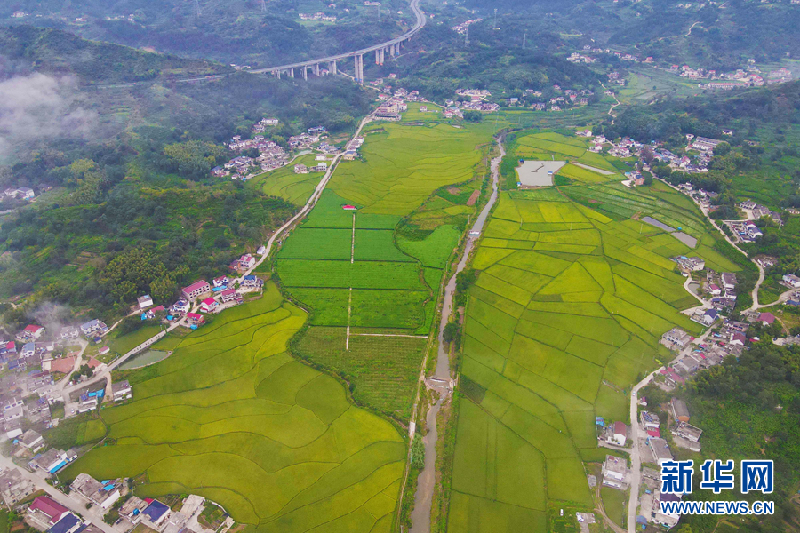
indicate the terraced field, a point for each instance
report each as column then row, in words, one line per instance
column 567, row 310
column 377, row 271
column 233, row 417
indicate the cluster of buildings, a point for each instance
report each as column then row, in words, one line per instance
column 757, row 211
column 319, row 15
column 44, row 513
column 18, row 193
column 461, row 29
column 684, row 435
column 271, row 156
column 456, row 108
column 393, row 106
column 262, row 125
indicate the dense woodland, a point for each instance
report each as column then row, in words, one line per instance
column 138, row 179
column 748, row 409
column 243, row 32
column 721, row 38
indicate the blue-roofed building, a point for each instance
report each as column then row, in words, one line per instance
column 28, row 350
column 795, row 303
column 156, row 512
column 68, row 524
column 251, row 280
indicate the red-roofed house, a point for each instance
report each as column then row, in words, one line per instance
column 766, row 318
column 31, row 332
column 195, row 290
column 620, row 435
column 713, row 289
column 220, row 281
column 195, row 319
column 739, row 339
column 47, row 510
column 227, row 295
column 348, row 207
column 656, row 432
column 208, row 305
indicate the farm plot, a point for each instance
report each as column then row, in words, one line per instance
column 231, row 416
column 551, row 335
column 410, row 191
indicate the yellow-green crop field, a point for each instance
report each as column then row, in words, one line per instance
column 231, row 416
column 567, row 311
column 379, row 268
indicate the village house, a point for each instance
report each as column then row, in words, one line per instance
column 195, row 319
column 132, row 509
column 30, row 333
column 689, row 264
column 791, row 280
column 13, row 487
column 228, row 295
column 69, row 332
column 252, row 281
column 615, row 472
column 676, row 339
column 180, row 307
column 155, row 514
column 195, row 290
column 765, row 318
column 221, row 281
column 46, row 511
column 660, row 450
column 69, row 523
column 679, row 410
column 687, row 432
column 208, row 305
column 93, row 328
column 145, row 302
column 619, row 433
column 300, row 169
column 121, row 390
column 651, row 423
column 92, row 491
column 32, row 441
column 52, row 460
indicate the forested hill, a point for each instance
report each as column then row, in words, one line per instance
column 438, row 62
column 708, row 115
column 57, row 52
column 713, row 35
column 122, row 173
column 244, row 32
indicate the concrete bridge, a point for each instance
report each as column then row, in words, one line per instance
column 392, row 47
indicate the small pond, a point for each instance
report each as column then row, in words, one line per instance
column 143, row 359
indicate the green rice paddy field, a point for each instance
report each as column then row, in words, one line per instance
column 570, row 302
column 233, row 417
column 379, row 268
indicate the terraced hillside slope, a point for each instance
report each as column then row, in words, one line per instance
column 566, row 313
column 231, row 416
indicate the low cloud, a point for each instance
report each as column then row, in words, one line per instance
column 38, row 107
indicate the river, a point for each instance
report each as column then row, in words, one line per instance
column 421, row 515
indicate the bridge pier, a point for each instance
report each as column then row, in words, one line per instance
column 377, row 57
column 360, row 68
column 291, row 73
column 305, row 73
column 316, row 70
column 332, row 67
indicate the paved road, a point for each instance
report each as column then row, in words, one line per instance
column 418, row 25
column 78, row 506
column 421, row 515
